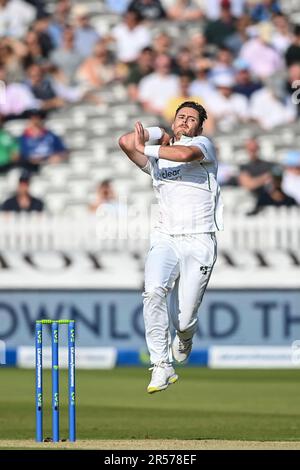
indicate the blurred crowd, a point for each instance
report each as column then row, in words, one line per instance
column 239, row 58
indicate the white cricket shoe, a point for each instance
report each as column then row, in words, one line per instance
column 163, row 374
column 181, row 348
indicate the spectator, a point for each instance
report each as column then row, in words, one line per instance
column 97, row 70
column 131, row 37
column 198, row 46
column 270, row 107
column 272, row 194
column 15, row 17
column 9, row 149
column 244, row 83
column 23, row 201
column 39, row 145
column 11, row 52
column 228, row 108
column 162, row 43
column 185, row 10
column 282, row 36
column 264, row 61
column 150, row 10
column 212, row 8
column 255, row 174
column 219, row 30
column 264, row 10
column 86, row 36
column 292, row 55
column 71, row 94
column 157, row 88
column 59, row 22
column 34, row 53
column 53, row 90
column 183, row 63
column 222, row 63
column 183, row 95
column 66, row 57
column 18, row 98
column 201, row 86
column 291, row 175
column 41, row 27
column 235, row 41
column 105, row 197
column 139, row 70
column 42, row 89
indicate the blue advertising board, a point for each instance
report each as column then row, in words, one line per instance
column 114, row 317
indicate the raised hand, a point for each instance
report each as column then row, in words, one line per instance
column 139, row 137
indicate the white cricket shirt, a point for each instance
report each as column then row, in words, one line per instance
column 188, row 194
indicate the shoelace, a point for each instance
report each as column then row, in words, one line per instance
column 182, row 345
column 159, row 364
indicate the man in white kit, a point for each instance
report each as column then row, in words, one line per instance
column 183, row 247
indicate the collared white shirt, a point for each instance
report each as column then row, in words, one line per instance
column 188, row 194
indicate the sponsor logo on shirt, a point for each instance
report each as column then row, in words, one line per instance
column 204, row 269
column 170, row 174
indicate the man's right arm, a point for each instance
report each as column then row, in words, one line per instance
column 127, row 144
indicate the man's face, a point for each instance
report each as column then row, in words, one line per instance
column 187, row 123
column 23, row 188
column 252, row 147
column 35, row 75
column 131, row 19
column 83, row 21
column 36, row 121
column 162, row 65
column 225, row 91
column 242, row 76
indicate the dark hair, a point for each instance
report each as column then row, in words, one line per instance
column 198, row 107
column 138, row 15
column 105, row 182
column 35, row 112
column 147, row 49
column 25, row 176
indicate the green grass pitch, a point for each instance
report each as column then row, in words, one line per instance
column 203, row 404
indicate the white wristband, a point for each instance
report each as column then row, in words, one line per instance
column 152, row 151
column 155, row 133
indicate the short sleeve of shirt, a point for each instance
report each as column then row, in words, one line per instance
column 9, row 205
column 151, row 165
column 58, row 145
column 206, row 147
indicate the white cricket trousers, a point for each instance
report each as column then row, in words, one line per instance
column 181, row 264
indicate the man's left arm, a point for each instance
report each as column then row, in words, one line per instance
column 176, row 153
column 180, row 153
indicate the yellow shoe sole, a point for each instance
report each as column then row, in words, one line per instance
column 172, row 380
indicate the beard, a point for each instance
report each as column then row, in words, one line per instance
column 186, row 131
column 183, row 131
